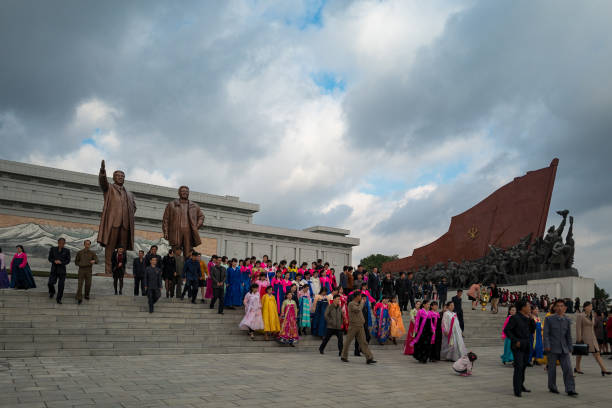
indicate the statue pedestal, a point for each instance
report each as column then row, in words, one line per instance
column 565, row 287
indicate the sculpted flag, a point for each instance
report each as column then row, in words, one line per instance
column 512, row 212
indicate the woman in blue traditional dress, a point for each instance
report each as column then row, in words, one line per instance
column 508, row 356
column 537, row 353
column 21, row 274
column 245, row 278
column 320, row 303
column 382, row 326
column 4, row 280
column 233, row 294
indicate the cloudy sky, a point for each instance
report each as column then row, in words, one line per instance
column 384, row 117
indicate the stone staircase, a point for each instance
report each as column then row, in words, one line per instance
column 32, row 325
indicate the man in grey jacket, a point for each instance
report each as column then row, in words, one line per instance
column 558, row 345
column 217, row 276
column 333, row 318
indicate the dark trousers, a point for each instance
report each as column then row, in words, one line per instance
column 139, row 283
column 460, row 318
column 521, row 359
column 153, row 295
column 178, row 286
column 191, row 287
column 442, row 301
column 566, row 367
column 60, row 278
column 411, row 297
column 333, row 332
column 217, row 294
column 403, row 302
column 367, row 339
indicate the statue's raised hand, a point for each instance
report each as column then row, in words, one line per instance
column 102, row 165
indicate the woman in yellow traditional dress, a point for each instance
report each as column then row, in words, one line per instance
column 397, row 323
column 269, row 314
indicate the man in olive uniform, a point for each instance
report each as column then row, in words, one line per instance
column 85, row 259
column 181, row 222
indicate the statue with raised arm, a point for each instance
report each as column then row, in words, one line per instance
column 181, row 222
column 117, row 220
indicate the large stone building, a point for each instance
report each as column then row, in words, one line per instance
column 38, row 204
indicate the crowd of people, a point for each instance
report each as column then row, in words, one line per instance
column 285, row 300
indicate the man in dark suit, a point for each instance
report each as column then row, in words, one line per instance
column 458, row 307
column 558, row 346
column 402, row 288
column 519, row 329
column 217, row 276
column 59, row 257
column 374, row 284
column 138, row 270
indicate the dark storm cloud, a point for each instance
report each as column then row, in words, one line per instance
column 533, row 76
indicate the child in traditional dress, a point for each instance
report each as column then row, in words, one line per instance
column 304, row 309
column 252, row 319
column 383, row 322
column 289, row 331
column 269, row 314
column 464, row 365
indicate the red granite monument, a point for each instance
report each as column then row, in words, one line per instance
column 512, row 212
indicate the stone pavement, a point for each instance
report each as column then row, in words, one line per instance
column 300, row 379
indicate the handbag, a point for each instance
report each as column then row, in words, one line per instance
column 580, row 349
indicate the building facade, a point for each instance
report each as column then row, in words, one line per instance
column 39, row 204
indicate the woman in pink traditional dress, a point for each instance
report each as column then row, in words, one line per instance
column 289, row 331
column 252, row 319
column 344, row 307
column 424, row 334
column 408, row 348
column 262, row 283
column 209, row 286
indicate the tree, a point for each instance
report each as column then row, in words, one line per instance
column 600, row 293
column 376, row 261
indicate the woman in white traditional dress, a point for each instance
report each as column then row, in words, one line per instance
column 453, row 347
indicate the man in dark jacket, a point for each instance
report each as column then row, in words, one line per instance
column 410, row 277
column 333, row 317
column 459, row 307
column 177, row 283
column 217, row 276
column 519, row 329
column 59, row 257
column 374, row 284
column 153, row 283
column 402, row 290
column 442, row 288
column 118, row 261
column 388, row 286
column 138, row 270
column 153, row 254
column 191, row 270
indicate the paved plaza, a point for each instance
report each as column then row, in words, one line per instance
column 285, row 379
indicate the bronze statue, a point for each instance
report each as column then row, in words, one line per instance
column 117, row 221
column 181, row 222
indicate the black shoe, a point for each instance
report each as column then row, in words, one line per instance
column 529, row 365
column 553, row 391
column 193, row 301
column 321, row 351
column 372, row 361
column 357, row 354
column 51, row 295
column 525, row 389
column 86, row 297
column 202, row 301
column 604, row 373
column 121, row 292
column 517, row 394
column 220, row 313
column 59, row 302
column 578, row 371
column 116, row 293
column 572, row 394
column 344, row 359
column 211, row 307
column 79, row 301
